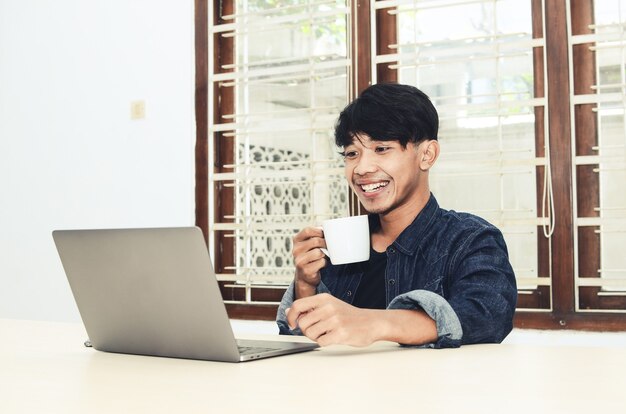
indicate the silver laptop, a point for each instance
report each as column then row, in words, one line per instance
column 154, row 292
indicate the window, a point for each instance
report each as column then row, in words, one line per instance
column 598, row 64
column 478, row 68
column 531, row 98
column 284, row 76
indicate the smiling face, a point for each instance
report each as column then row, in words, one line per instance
column 388, row 178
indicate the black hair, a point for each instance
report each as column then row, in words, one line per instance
column 388, row 112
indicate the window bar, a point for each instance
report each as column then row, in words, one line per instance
column 289, row 60
column 276, row 23
column 277, row 9
column 417, row 63
column 279, row 112
column 272, row 74
column 425, row 4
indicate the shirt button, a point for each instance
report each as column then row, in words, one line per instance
column 392, row 281
column 349, row 293
column 391, row 250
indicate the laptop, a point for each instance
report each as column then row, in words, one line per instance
column 153, row 292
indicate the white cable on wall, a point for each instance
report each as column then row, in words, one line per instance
column 547, row 199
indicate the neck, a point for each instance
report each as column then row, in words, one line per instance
column 394, row 222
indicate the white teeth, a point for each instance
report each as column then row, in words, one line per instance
column 374, row 186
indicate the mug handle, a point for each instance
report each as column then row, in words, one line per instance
column 325, row 251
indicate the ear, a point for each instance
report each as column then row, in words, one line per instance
column 429, row 152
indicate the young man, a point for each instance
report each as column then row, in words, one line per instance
column 435, row 277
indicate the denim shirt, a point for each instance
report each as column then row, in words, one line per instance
column 453, row 266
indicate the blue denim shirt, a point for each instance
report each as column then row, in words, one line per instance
column 454, row 266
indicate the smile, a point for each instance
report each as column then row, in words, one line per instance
column 370, row 188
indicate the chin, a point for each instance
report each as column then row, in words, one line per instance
column 373, row 209
column 379, row 211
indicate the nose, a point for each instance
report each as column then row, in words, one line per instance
column 366, row 164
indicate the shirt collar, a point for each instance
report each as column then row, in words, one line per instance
column 409, row 240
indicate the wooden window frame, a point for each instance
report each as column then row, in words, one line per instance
column 561, row 292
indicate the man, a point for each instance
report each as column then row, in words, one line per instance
column 435, row 277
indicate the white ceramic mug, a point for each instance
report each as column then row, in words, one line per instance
column 347, row 239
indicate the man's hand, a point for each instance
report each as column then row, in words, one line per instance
column 309, row 259
column 328, row 320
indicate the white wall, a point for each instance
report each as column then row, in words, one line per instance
column 70, row 156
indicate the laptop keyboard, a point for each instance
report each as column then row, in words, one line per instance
column 247, row 350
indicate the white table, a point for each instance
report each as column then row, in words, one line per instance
column 44, row 368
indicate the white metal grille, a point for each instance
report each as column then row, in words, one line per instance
column 266, row 255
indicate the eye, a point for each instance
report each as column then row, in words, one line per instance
column 348, row 154
column 382, row 149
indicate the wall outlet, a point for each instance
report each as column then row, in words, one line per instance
column 137, row 110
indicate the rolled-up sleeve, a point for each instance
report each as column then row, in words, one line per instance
column 285, row 303
column 449, row 330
